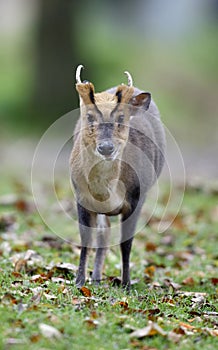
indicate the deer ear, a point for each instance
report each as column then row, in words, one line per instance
column 141, row 100
column 86, row 92
column 124, row 93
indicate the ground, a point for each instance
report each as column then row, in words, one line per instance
column 173, row 299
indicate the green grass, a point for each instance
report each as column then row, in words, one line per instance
column 186, row 254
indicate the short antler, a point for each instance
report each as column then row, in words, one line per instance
column 130, row 80
column 78, row 72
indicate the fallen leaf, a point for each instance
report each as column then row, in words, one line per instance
column 50, row 296
column 16, row 274
column 193, row 319
column 150, row 330
column 213, row 332
column 150, row 247
column 174, row 337
column 86, row 292
column 189, row 281
column 210, row 313
column 198, row 301
column 91, row 323
column 22, row 205
column 8, row 298
column 41, row 278
column 36, row 298
column 172, row 284
column 6, row 222
column 168, row 300
column 124, row 304
column 77, row 301
column 150, row 270
column 188, row 294
column 49, row 331
column 20, row 265
column 185, row 325
column 34, row 338
column 60, row 280
column 214, row 280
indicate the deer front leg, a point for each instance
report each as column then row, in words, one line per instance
column 103, row 234
column 85, row 228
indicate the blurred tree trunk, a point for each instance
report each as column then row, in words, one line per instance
column 214, row 10
column 56, row 58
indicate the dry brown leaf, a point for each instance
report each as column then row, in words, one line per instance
column 86, row 292
column 150, row 247
column 20, row 265
column 123, row 304
column 8, row 298
column 6, row 222
column 189, row 281
column 172, row 284
column 16, row 274
column 214, row 280
column 168, row 300
column 185, row 328
column 91, row 323
column 150, row 330
column 150, row 270
column 34, row 338
column 179, row 330
column 22, row 205
column 186, row 325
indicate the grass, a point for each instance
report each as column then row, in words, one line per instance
column 174, row 274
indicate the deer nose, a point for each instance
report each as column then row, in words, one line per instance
column 105, row 148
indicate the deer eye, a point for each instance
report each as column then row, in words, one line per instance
column 90, row 118
column 120, row 119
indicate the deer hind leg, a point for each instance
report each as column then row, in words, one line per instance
column 128, row 226
column 103, row 235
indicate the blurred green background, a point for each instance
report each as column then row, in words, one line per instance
column 170, row 48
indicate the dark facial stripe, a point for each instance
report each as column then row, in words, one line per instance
column 92, row 97
column 119, row 96
column 105, row 130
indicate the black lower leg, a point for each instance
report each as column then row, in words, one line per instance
column 81, row 273
column 125, row 251
column 85, row 223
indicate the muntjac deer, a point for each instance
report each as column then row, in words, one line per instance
column 118, row 154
